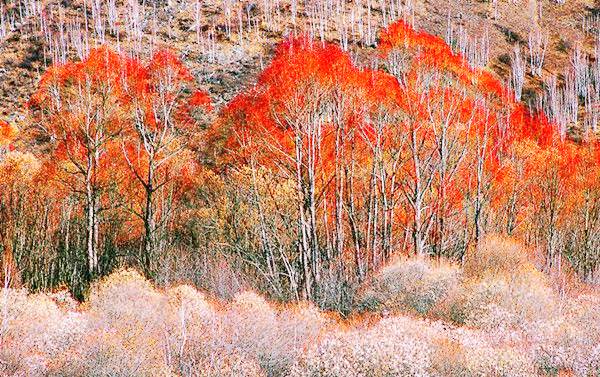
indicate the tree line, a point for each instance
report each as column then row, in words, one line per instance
column 306, row 183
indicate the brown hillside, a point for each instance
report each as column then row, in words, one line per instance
column 35, row 33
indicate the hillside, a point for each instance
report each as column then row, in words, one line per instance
column 206, row 35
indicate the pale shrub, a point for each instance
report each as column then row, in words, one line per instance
column 571, row 342
column 12, row 305
column 392, row 348
column 64, row 299
column 496, row 256
column 495, row 304
column 128, row 327
column 128, row 331
column 246, row 337
column 205, row 359
column 185, row 298
column 251, row 326
column 252, row 304
column 192, row 325
column 138, row 330
column 503, row 292
column 111, row 352
column 297, row 328
column 34, row 331
column 470, row 352
column 125, row 295
column 273, row 337
column 404, row 346
column 410, row 284
column 501, row 362
column 449, row 358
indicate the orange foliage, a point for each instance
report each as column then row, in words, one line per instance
column 8, row 132
column 112, row 119
column 492, row 143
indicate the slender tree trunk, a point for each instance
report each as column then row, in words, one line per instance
column 149, row 227
column 91, row 228
column 9, row 271
column 418, row 240
column 339, row 195
column 355, row 231
column 303, row 242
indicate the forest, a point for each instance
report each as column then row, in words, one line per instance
column 418, row 215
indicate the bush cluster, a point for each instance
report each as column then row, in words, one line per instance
column 496, row 317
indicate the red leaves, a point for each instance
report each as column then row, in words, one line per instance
column 119, row 125
column 306, row 83
column 8, row 133
column 200, row 99
column 433, row 53
column 312, row 98
column 166, row 63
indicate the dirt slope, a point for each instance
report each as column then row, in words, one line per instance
column 225, row 59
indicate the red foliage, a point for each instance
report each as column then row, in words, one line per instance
column 8, row 133
column 113, row 119
column 494, row 138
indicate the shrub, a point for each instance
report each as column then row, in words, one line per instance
column 335, row 293
column 190, row 321
column 571, row 342
column 449, row 358
column 410, row 284
column 127, row 335
column 188, row 305
column 496, row 256
column 392, row 348
column 496, row 304
column 128, row 327
column 471, row 352
column 112, row 352
column 501, row 362
column 272, row 336
column 502, row 292
column 34, row 331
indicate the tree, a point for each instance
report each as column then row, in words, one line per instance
column 79, row 108
column 163, row 101
column 305, row 119
column 17, row 170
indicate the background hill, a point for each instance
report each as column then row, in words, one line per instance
column 226, row 43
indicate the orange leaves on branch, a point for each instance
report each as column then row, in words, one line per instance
column 17, row 168
column 119, row 128
column 472, row 141
column 306, row 83
column 8, row 133
column 433, row 53
column 200, row 99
